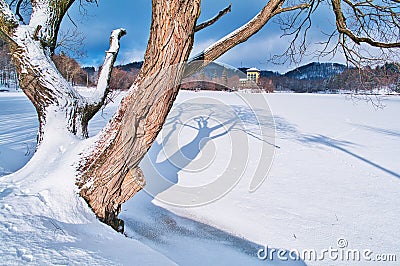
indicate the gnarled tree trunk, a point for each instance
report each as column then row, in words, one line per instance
column 110, row 174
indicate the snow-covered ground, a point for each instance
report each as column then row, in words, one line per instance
column 333, row 183
column 18, row 129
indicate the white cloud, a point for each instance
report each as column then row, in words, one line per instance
column 255, row 52
column 200, row 46
column 133, row 55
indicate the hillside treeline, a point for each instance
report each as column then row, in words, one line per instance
column 357, row 80
column 313, row 77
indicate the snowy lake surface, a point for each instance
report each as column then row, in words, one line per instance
column 300, row 172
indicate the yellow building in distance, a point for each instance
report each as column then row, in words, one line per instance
column 253, row 74
column 252, row 79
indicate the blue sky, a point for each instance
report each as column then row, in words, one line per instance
column 135, row 17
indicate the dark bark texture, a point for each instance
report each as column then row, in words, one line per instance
column 112, row 169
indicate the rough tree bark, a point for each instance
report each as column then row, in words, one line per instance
column 110, row 173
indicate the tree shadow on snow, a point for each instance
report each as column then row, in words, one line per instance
column 184, row 240
column 386, row 132
column 286, row 130
column 341, row 146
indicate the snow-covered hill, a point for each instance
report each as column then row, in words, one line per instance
column 334, row 180
column 316, row 70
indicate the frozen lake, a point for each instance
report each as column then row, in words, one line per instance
column 298, row 171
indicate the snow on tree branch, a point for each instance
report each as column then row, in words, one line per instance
column 8, row 20
column 46, row 18
column 105, row 74
column 242, row 34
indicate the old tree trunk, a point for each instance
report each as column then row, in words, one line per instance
column 112, row 168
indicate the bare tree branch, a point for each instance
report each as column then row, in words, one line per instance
column 296, row 26
column 214, row 19
column 242, row 34
column 71, row 42
column 272, row 8
column 18, row 11
column 343, row 29
column 291, row 8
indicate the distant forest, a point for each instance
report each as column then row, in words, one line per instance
column 313, row 77
column 333, row 77
column 8, row 75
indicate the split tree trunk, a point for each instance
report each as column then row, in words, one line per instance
column 110, row 174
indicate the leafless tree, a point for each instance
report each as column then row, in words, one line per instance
column 70, row 69
column 109, row 174
column 8, row 75
column 71, row 43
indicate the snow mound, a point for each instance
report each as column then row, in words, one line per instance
column 44, row 221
